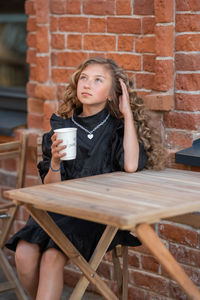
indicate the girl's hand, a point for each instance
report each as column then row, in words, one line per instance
column 55, row 150
column 124, row 101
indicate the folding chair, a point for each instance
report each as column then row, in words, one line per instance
column 15, row 149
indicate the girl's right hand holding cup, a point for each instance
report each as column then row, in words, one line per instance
column 55, row 151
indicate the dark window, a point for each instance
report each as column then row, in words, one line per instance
column 13, row 66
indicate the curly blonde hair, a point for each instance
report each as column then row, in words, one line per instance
column 147, row 135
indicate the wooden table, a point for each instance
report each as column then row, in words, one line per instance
column 121, row 201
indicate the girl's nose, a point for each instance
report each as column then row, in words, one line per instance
column 87, row 84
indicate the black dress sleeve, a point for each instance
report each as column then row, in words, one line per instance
column 117, row 149
column 43, row 166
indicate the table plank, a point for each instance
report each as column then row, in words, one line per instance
column 118, row 199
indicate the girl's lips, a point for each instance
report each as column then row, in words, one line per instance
column 86, row 94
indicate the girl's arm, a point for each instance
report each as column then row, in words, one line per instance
column 130, row 142
column 54, row 176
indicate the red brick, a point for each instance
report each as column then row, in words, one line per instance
column 74, row 41
column 32, row 74
column 35, row 106
column 185, row 255
column 145, row 44
column 99, row 7
column 30, row 89
column 31, row 56
column 164, row 40
column 30, row 7
column 97, row 25
column 164, row 11
column 179, row 234
column 105, row 270
column 178, row 139
column 149, row 281
column 188, row 42
column 10, row 164
column 149, row 263
column 45, row 92
column 100, row 42
column 75, row 24
column 149, row 62
column 136, row 294
column 31, row 40
column 184, row 121
column 53, row 59
column 42, row 68
column 123, row 25
column 42, row 39
column 159, row 101
column 31, row 181
column 31, row 163
column 31, row 24
column 188, row 82
column 70, row 59
column 61, row 75
column 193, row 273
column 58, row 6
column 42, row 10
column 58, row 41
column 164, row 71
column 35, row 121
column 143, row 7
column 187, row 62
column 176, row 292
column 73, row 6
column 187, row 5
column 144, row 81
column 187, row 102
column 127, row 61
column 123, row 7
column 32, row 137
column 125, row 43
column 148, row 24
column 134, row 259
column 50, row 107
column 187, row 22
column 53, row 24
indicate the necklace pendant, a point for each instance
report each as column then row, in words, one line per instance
column 90, row 136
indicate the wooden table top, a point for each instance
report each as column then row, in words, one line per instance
column 119, row 199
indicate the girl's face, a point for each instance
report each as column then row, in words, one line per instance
column 94, row 86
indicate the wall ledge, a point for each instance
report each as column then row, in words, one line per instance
column 159, row 101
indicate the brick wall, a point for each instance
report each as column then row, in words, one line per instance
column 158, row 43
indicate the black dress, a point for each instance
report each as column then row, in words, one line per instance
column 102, row 154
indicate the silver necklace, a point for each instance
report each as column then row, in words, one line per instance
column 90, row 133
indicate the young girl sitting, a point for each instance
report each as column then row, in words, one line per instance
column 112, row 135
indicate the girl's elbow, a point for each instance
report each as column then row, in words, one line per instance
column 130, row 169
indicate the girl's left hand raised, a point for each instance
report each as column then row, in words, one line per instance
column 124, row 101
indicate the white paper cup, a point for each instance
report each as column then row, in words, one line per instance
column 69, row 137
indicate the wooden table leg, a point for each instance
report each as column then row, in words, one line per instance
column 149, row 238
column 46, row 222
column 95, row 260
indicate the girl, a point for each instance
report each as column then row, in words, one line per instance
column 113, row 135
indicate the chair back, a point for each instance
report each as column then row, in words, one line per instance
column 16, row 149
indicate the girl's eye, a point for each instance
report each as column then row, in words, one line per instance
column 83, row 77
column 98, row 80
